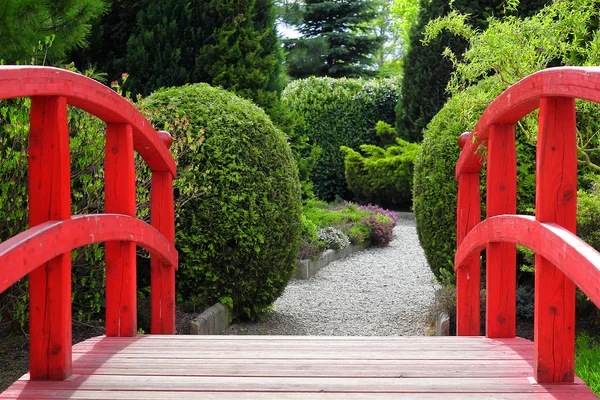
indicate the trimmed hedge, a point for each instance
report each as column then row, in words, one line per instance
column 338, row 112
column 384, row 176
column 238, row 237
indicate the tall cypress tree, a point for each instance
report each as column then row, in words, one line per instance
column 343, row 25
column 427, row 72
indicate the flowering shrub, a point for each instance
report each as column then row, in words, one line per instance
column 333, row 238
column 381, row 229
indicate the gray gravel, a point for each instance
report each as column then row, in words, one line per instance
column 378, row 291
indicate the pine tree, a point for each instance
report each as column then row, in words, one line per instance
column 427, row 72
column 351, row 42
column 44, row 29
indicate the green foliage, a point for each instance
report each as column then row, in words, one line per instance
column 343, row 26
column 337, row 112
column 172, row 42
column 530, row 44
column 404, row 14
column 238, row 236
column 384, row 175
column 587, row 359
column 47, row 28
column 588, row 216
column 426, row 72
column 386, row 132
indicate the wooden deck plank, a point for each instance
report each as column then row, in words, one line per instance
column 245, row 367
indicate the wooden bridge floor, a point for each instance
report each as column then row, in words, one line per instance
column 293, row 367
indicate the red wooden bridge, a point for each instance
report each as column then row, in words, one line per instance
column 123, row 365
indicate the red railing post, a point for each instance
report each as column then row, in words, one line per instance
column 556, row 202
column 119, row 190
column 162, row 216
column 468, row 280
column 50, row 199
column 501, row 258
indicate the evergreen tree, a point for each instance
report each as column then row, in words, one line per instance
column 156, row 55
column 228, row 43
column 44, row 29
column 427, row 71
column 351, row 42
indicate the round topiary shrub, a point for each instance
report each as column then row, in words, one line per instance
column 238, row 235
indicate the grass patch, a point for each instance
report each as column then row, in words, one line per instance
column 587, row 361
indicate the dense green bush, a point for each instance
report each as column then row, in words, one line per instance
column 337, row 112
column 384, row 176
column 514, row 48
column 238, row 236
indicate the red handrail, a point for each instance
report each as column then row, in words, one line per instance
column 44, row 251
column 26, row 251
column 91, row 96
column 561, row 257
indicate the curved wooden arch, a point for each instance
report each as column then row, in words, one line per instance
column 91, row 96
column 579, row 261
column 26, row 251
column 524, row 97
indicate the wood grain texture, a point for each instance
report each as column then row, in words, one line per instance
column 49, row 186
column 556, row 202
column 91, row 96
column 468, row 279
column 297, row 367
column 524, row 97
column 40, row 244
column 162, row 277
column 501, row 258
column 119, row 198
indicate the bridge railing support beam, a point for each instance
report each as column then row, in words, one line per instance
column 119, row 192
column 501, row 258
column 556, row 202
column 468, row 278
column 162, row 278
column 49, row 185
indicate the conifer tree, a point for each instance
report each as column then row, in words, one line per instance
column 51, row 28
column 344, row 26
column 427, row 71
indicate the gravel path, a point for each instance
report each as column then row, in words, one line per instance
column 378, row 291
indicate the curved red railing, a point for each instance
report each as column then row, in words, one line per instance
column 562, row 259
column 43, row 252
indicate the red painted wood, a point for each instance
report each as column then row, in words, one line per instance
column 468, row 276
column 501, row 258
column 556, row 202
column 524, row 97
column 162, row 297
column 91, row 96
column 40, row 244
column 119, row 192
column 49, row 199
column 575, row 258
column 190, row 367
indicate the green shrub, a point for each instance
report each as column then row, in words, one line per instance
column 238, row 237
column 338, row 112
column 384, row 176
column 514, row 48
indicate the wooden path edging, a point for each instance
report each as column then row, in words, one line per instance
column 305, row 269
column 213, row 321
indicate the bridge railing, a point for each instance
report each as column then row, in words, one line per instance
column 44, row 251
column 562, row 259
